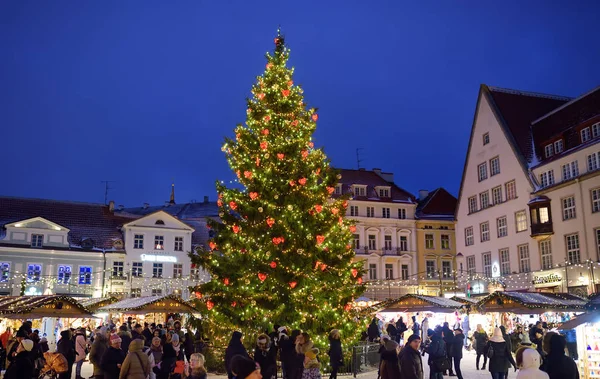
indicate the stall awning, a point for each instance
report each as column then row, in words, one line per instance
column 581, row 319
column 465, row 300
column 16, row 307
column 530, row 302
column 422, row 303
column 150, row 304
column 92, row 304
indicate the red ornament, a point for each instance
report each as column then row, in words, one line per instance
column 267, row 118
column 330, row 190
column 273, row 264
column 359, row 281
column 345, row 204
column 198, row 295
column 352, row 228
column 292, row 183
column 212, row 245
column 354, row 272
column 232, row 205
column 340, row 220
column 253, row 195
column 269, row 65
column 295, row 123
column 236, row 229
column 237, row 135
column 285, row 92
column 219, row 203
column 226, row 281
column 220, row 196
column 263, row 145
column 304, row 154
column 302, row 181
column 278, row 240
column 290, row 83
column 311, row 145
column 315, row 117
column 323, row 266
column 276, row 40
column 262, row 276
column 293, row 284
column 311, row 212
column 248, row 174
column 280, row 156
column 260, row 96
column 238, row 173
column 317, row 264
column 347, row 307
column 243, row 251
column 265, row 132
column 318, row 208
column 320, row 239
column 318, row 171
column 334, row 211
column 257, row 161
column 209, row 305
column 270, row 221
column 233, row 303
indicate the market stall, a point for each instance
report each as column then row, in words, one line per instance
column 154, row 308
column 531, row 303
column 93, row 303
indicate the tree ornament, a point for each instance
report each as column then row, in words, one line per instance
column 226, row 281
column 354, row 272
column 198, row 295
column 340, row 220
column 360, row 280
column 304, row 154
column 317, row 264
column 347, row 307
column 219, row 203
column 232, row 205
column 320, row 239
column 243, row 251
column 264, row 145
column 310, row 298
column 237, row 136
column 293, row 284
column 311, row 144
column 278, row 240
column 273, row 264
column 345, row 204
column 318, row 208
column 270, row 222
column 290, row 83
column 248, row 174
column 269, row 65
column 262, row 276
column 265, row 132
column 253, row 195
column 233, row 304
column 323, row 266
column 285, row 92
column 235, row 229
column 212, row 245
column 280, row 156
column 295, row 123
column 315, row 117
column 292, row 183
column 260, row 96
column 257, row 162
column 260, row 209
column 290, row 207
column 352, row 228
column 334, row 211
column 267, row 118
column 302, row 181
column 330, row 190
column 318, row 171
column 210, row 305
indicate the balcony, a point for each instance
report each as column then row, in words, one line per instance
column 395, row 251
column 541, row 229
column 540, row 216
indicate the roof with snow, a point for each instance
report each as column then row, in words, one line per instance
column 373, row 179
column 42, row 306
column 530, row 302
column 151, row 304
column 423, row 303
column 438, row 205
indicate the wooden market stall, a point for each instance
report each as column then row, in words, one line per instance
column 156, row 306
column 93, row 303
column 32, row 307
column 423, row 303
column 531, row 302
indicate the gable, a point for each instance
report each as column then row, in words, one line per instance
column 37, row 223
column 160, row 219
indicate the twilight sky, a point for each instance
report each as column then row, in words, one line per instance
column 143, row 92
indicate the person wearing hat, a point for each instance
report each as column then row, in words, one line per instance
column 499, row 354
column 456, row 350
column 234, row 348
column 113, row 358
column 66, row 347
column 21, row 366
column 390, row 367
column 265, row 354
column 11, row 350
column 411, row 365
column 244, row 368
column 99, row 347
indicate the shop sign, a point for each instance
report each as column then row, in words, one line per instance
column 158, row 258
column 547, row 280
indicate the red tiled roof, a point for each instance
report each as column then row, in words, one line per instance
column 84, row 220
column 439, row 204
column 371, row 179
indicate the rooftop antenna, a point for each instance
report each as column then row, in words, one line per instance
column 106, row 188
column 358, row 160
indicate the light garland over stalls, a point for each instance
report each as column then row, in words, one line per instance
column 282, row 252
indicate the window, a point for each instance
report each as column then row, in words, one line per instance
column 159, row 222
column 510, row 189
column 354, row 210
column 446, row 269
column 546, row 254
column 547, row 178
column 338, row 189
column 137, row 269
column 402, row 213
column 544, row 216
column 157, row 270
column 64, row 274
column 504, row 262
column 370, row 211
column 136, row 292
column 403, row 243
column 596, row 130
column 404, row 272
column 473, row 204
column 428, row 227
column 568, row 207
column 570, row 171
column 4, row 271
column 387, row 242
column 484, row 231
column 598, row 240
column 389, row 271
column 37, row 240
column 85, row 275
column 177, row 270
column 469, row 240
column 593, row 161
column 356, row 241
column 524, row 264
column 502, row 227
column 372, row 271
column 430, row 269
column 521, row 221
column 385, row 212
column 573, row 254
column 487, row 264
column 471, row 265
column 194, row 272
column 178, row 243
column 429, row 241
column 596, row 200
column 585, row 135
column 482, row 170
column 496, row 195
column 138, row 241
column 34, row 272
column 558, row 146
column 484, row 199
column 359, row 191
column 486, row 138
column 443, row 227
column 159, row 242
column 549, row 150
column 372, row 242
column 494, row 166
column 384, row 192
column 156, row 291
column 445, row 241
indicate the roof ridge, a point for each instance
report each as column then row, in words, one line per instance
column 529, row 93
column 572, row 101
column 53, row 200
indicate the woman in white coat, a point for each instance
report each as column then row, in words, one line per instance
column 528, row 361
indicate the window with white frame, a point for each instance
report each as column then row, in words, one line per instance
column 521, row 221
column 359, row 191
column 546, row 254
column 570, row 171
column 372, row 242
column 136, row 292
column 598, row 240
column 37, row 240
column 548, row 150
column 118, row 269
column 370, row 211
column 385, row 212
column 504, row 262
column 473, row 204
column 510, row 188
column 573, row 253
column 85, row 275
column 430, row 268
column 34, row 272
column 338, row 189
column 384, row 192
column 178, row 243
column 64, row 274
column 593, row 161
column 194, row 272
column 372, row 271
column 446, row 269
column 138, row 241
column 502, row 226
column 585, row 135
column 524, row 262
column 157, row 270
column 404, row 272
column 595, row 200
column 482, row 171
column 486, row 138
column 469, row 240
column 389, row 271
column 177, row 270
column 445, row 241
column 544, row 215
column 568, row 207
column 596, row 130
column 494, row 166
column 4, row 272
column 547, row 178
column 487, row 264
column 156, row 291
column 558, row 146
column 484, row 231
column 497, row 195
column 137, row 269
column 387, row 242
column 471, row 270
column 403, row 243
column 356, row 241
column 159, row 242
column 402, row 213
column 429, row 241
column 484, row 199
column 354, row 210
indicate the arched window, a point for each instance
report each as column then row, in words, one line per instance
column 159, row 222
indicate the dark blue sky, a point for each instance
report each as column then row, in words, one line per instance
column 143, row 92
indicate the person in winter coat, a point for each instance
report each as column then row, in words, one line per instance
column 390, row 366
column 303, row 345
column 448, row 339
column 81, row 345
column 557, row 364
column 373, row 330
column 245, row 368
column 66, row 348
column 500, row 355
column 466, row 328
column 456, row 351
column 528, row 361
column 196, row 369
column 411, row 365
column 125, row 338
column 416, row 328
column 401, row 327
column 99, row 347
column 235, row 347
column 137, row 332
column 22, row 365
column 336, row 356
column 265, row 355
column 392, row 331
column 424, row 328
column 480, row 338
column 188, row 344
column 169, row 357
column 113, row 358
column 147, row 335
column 437, row 354
column 136, row 364
column 288, row 353
column 156, row 350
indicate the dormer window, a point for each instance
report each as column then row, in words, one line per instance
column 558, row 146
column 360, row 190
column 37, row 240
column 338, row 189
column 159, row 222
column 118, row 244
column 585, row 135
column 87, row 243
column 596, row 130
column 383, row 191
column 549, row 150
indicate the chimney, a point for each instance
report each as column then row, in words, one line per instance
column 121, row 207
column 146, row 205
column 387, row 176
column 205, row 199
column 423, row 194
column 111, row 206
column 377, row 171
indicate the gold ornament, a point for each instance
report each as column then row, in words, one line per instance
column 260, row 209
column 276, row 197
column 289, row 207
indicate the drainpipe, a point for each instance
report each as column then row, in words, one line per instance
column 103, row 271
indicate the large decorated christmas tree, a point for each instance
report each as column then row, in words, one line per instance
column 281, row 253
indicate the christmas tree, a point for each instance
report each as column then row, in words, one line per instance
column 281, row 253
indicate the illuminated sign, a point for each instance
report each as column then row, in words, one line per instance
column 552, row 279
column 158, row 258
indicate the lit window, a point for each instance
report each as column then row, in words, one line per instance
column 118, row 269
column 487, row 264
column 521, row 221
column 547, row 178
column 484, row 229
column 504, row 262
column 159, row 242
column 544, row 216
column 37, row 240
column 484, row 199
column 385, row 212
column 85, row 275
column 4, row 271
column 446, row 269
column 511, row 190
column 546, row 253
column 570, row 171
column 524, row 262
column 495, row 166
column 596, row 200
column 64, row 274
column 429, row 241
column 136, row 292
column 469, row 240
column 137, row 269
column 573, row 254
column 178, row 243
column 502, row 226
column 568, row 207
column 585, row 135
column 482, row 171
column 157, row 270
column 34, row 272
column 177, row 270
column 138, row 241
column 445, row 239
column 558, row 146
column 430, row 269
column 473, row 204
column 497, row 195
column 486, row 139
column 194, row 272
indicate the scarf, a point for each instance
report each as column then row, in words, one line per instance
column 157, row 353
column 176, row 348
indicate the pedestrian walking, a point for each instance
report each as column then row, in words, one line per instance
column 438, row 358
column 456, row 351
column 21, row 366
column 136, row 364
column 336, row 357
column 480, row 339
column 500, row 356
column 528, row 362
column 557, row 365
column 411, row 365
column 234, row 348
